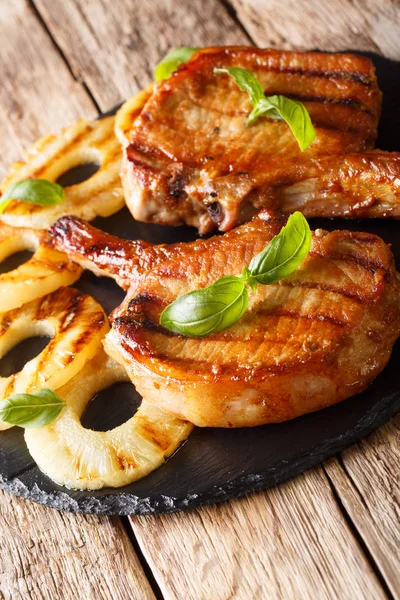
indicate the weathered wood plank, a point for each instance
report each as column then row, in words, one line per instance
column 288, row 543
column 38, row 95
column 113, row 46
column 46, row 554
column 368, row 483
column 337, row 25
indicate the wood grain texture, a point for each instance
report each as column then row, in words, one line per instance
column 51, row 555
column 113, row 46
column 38, row 94
column 371, row 25
column 368, row 483
column 289, row 543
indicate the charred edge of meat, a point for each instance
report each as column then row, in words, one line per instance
column 215, row 210
column 62, row 229
column 176, row 184
column 136, row 303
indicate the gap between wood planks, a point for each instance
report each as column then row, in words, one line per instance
column 145, row 565
column 62, row 55
column 231, row 11
column 352, row 526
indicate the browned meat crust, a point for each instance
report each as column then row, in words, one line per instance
column 311, row 340
column 193, row 160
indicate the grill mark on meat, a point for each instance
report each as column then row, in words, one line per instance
column 147, row 324
column 352, row 130
column 236, row 370
column 175, row 271
column 224, row 336
column 295, row 315
column 368, row 264
column 224, row 112
column 354, row 76
column 350, row 102
column 323, row 287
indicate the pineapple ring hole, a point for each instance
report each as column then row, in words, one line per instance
column 16, row 358
column 28, row 340
column 78, row 167
column 104, row 413
column 17, row 247
column 78, row 174
column 15, row 260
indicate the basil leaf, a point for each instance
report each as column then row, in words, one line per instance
column 275, row 107
column 246, row 81
column 284, row 253
column 208, row 310
column 171, row 62
column 33, row 410
column 294, row 113
column 37, row 191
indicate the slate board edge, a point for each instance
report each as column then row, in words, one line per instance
column 121, row 503
column 128, row 504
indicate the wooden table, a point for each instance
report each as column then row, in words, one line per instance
column 331, row 533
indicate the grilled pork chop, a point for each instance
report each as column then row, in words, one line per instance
column 315, row 338
column 192, row 159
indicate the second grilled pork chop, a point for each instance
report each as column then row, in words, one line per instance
column 192, row 159
column 315, row 338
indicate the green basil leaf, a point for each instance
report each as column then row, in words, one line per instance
column 284, row 253
column 275, row 107
column 33, row 410
column 37, row 191
column 246, row 81
column 208, row 310
column 294, row 113
column 171, row 62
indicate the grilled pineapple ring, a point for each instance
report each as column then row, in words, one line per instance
column 53, row 155
column 77, row 324
column 128, row 113
column 45, row 272
column 89, row 460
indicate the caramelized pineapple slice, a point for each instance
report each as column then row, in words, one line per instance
column 45, row 272
column 89, row 460
column 54, row 155
column 76, row 323
column 128, row 112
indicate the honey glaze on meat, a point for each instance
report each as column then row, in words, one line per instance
column 192, row 159
column 313, row 339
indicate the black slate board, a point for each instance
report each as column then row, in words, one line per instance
column 214, row 464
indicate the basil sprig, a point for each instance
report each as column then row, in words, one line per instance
column 275, row 107
column 285, row 252
column 211, row 309
column 33, row 410
column 37, row 191
column 171, row 62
